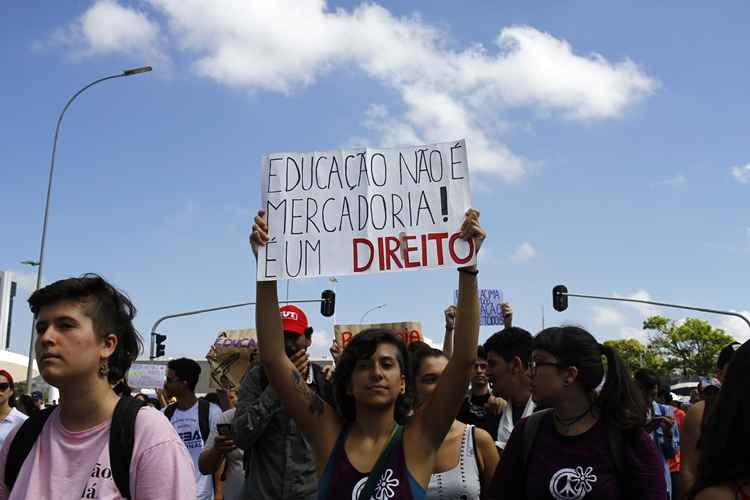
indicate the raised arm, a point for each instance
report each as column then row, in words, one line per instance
column 433, row 420
column 316, row 418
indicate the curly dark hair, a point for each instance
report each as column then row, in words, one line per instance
column 619, row 401
column 110, row 311
column 363, row 346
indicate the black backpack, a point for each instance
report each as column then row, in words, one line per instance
column 203, row 413
column 614, row 436
column 121, row 441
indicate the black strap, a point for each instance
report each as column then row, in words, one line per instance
column 476, row 458
column 204, row 407
column 122, row 440
column 530, row 430
column 169, row 411
column 203, row 416
column 22, row 444
column 372, row 479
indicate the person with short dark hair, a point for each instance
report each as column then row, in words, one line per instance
column 723, row 471
column 481, row 408
column 587, row 444
column 696, row 418
column 85, row 343
column 186, row 415
column 508, row 353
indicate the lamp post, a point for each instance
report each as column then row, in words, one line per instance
column 362, row 319
column 40, row 262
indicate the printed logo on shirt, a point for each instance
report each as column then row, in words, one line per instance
column 192, row 439
column 386, row 488
column 572, row 484
column 100, row 473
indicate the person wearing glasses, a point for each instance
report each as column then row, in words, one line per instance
column 9, row 416
column 590, row 441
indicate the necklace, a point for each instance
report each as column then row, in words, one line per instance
column 567, row 423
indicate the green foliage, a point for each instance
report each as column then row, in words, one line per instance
column 691, row 347
column 637, row 356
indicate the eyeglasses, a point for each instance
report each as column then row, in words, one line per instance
column 4, row 386
column 534, row 365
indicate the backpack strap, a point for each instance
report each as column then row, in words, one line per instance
column 530, row 430
column 169, row 411
column 22, row 444
column 372, row 479
column 204, row 407
column 122, row 440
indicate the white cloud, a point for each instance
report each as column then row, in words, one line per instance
column 524, row 252
column 107, row 27
column 447, row 92
column 677, row 180
column 736, row 327
column 432, row 343
column 741, row 173
column 607, row 316
column 629, row 332
column 646, row 310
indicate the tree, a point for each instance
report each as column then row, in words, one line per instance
column 691, row 346
column 636, row 355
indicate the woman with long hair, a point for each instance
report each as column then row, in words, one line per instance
column 85, row 343
column 467, row 459
column 723, row 471
column 364, row 437
column 589, row 442
column 10, row 417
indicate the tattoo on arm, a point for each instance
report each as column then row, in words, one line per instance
column 316, row 406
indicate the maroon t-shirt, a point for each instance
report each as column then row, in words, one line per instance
column 578, row 467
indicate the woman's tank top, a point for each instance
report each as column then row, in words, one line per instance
column 341, row 481
column 461, row 482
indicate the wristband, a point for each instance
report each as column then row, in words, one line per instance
column 468, row 271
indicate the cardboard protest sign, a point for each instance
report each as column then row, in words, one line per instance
column 364, row 211
column 490, row 302
column 409, row 331
column 231, row 355
column 146, row 376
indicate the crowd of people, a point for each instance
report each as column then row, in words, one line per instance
column 555, row 415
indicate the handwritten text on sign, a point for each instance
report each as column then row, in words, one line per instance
column 490, row 302
column 364, row 211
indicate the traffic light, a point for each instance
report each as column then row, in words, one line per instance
column 560, row 297
column 159, row 342
column 327, row 303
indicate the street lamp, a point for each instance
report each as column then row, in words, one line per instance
column 40, row 262
column 362, row 319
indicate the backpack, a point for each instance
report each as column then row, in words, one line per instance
column 121, row 442
column 614, row 436
column 203, row 411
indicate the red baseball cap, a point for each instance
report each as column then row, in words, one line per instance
column 293, row 319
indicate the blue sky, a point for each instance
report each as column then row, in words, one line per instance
column 608, row 144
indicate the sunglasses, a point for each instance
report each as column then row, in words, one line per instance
column 4, row 386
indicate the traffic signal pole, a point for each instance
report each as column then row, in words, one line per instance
column 560, row 296
column 157, row 348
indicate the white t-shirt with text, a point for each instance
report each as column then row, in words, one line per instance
column 187, row 427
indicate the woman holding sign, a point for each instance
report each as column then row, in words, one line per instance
column 364, row 451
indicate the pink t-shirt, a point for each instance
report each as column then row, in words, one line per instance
column 66, row 465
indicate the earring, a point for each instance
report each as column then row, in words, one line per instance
column 104, row 368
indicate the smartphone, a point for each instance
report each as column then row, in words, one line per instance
column 224, row 430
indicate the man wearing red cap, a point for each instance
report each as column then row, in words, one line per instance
column 280, row 459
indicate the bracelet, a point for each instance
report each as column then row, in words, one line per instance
column 468, row 271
